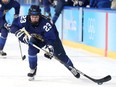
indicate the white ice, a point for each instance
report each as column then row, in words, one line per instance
column 50, row 73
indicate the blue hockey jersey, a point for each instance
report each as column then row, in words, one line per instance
column 44, row 28
column 100, row 3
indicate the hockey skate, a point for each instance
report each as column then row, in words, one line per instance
column 2, row 53
column 31, row 74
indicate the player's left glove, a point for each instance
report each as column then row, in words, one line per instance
column 50, row 50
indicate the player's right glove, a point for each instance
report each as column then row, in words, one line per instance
column 7, row 26
column 53, row 2
column 22, row 36
column 75, row 2
column 80, row 3
column 50, row 50
column 16, row 16
column 26, row 39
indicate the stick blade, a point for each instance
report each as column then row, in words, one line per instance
column 24, row 57
column 105, row 79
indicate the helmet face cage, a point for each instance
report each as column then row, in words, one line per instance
column 34, row 10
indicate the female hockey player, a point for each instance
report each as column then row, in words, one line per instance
column 5, row 6
column 100, row 3
column 43, row 34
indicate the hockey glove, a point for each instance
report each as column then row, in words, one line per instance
column 16, row 16
column 75, row 2
column 54, row 3
column 26, row 39
column 50, row 50
column 7, row 26
column 22, row 36
column 80, row 3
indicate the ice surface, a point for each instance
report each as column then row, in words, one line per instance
column 50, row 73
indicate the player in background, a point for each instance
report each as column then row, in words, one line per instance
column 100, row 3
column 61, row 3
column 46, row 5
column 38, row 25
column 83, row 3
column 5, row 6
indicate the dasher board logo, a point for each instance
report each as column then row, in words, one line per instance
column 91, row 29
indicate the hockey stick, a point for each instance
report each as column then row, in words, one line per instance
column 22, row 56
column 98, row 81
column 7, row 26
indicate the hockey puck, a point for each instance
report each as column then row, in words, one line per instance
column 24, row 57
column 100, row 83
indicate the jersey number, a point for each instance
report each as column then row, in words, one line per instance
column 47, row 27
column 23, row 19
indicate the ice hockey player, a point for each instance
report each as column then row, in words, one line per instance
column 46, row 5
column 43, row 34
column 5, row 6
column 59, row 7
column 100, row 3
column 61, row 3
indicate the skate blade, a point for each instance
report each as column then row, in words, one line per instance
column 31, row 78
column 3, row 57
